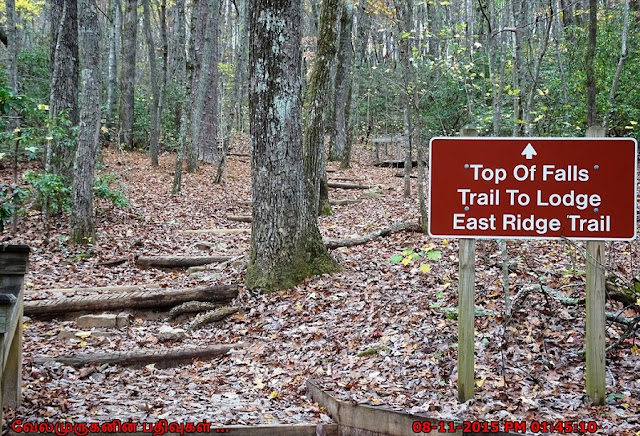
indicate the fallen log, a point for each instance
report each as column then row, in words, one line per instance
column 341, row 185
column 166, row 357
column 98, row 289
column 191, row 307
column 215, row 231
column 403, row 226
column 240, row 218
column 131, row 300
column 178, row 261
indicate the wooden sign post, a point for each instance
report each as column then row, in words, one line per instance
column 533, row 188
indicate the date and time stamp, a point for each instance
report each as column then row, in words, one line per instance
column 515, row 427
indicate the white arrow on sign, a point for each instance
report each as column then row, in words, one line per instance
column 529, row 151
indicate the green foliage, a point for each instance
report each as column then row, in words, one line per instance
column 49, row 192
column 141, row 121
column 102, row 188
column 408, row 256
column 34, row 72
column 11, row 197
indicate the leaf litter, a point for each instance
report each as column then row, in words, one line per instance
column 377, row 333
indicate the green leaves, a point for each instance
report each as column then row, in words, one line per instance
column 408, row 256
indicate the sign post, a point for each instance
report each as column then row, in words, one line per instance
column 534, row 188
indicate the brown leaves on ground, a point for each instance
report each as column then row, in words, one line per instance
column 376, row 333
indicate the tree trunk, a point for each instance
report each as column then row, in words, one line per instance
column 178, row 261
column 204, row 128
column 592, row 90
column 127, row 78
column 338, row 138
column 286, row 246
column 115, row 38
column 12, row 46
column 314, row 153
column 153, row 78
column 621, row 60
column 185, row 75
column 82, row 222
column 64, row 82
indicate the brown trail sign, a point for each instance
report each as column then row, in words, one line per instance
column 533, row 188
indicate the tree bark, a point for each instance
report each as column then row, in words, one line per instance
column 167, row 356
column 127, row 78
column 153, row 78
column 338, row 137
column 11, row 43
column 314, row 153
column 592, row 90
column 286, row 246
column 82, row 221
column 64, row 82
column 130, row 300
column 178, row 261
column 204, row 127
column 115, row 38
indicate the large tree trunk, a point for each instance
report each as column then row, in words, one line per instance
column 286, row 246
column 82, row 222
column 64, row 81
column 153, row 78
column 314, row 154
column 127, row 78
column 339, row 137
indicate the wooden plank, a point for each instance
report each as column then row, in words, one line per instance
column 333, row 184
column 131, row 300
column 240, row 430
column 466, row 319
column 14, row 259
column 178, row 261
column 140, row 356
column 215, row 231
column 357, row 419
column 98, row 289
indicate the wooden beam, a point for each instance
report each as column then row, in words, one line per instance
column 215, row 231
column 466, row 318
column 167, row 356
column 178, row 261
column 333, row 184
column 131, row 300
column 240, row 218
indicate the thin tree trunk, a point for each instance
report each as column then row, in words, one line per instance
column 155, row 91
column 115, row 37
column 185, row 79
column 621, row 60
column 12, row 46
column 64, row 82
column 338, row 137
column 127, row 78
column 314, row 153
column 82, row 222
column 592, row 90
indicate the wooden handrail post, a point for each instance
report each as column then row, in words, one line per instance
column 14, row 260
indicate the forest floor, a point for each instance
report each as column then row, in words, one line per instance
column 377, row 333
